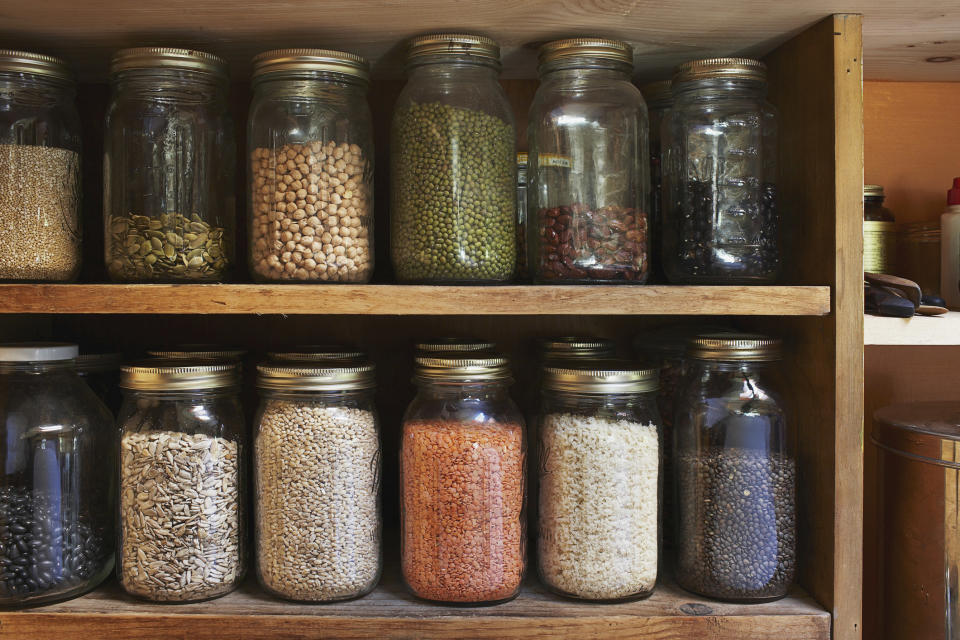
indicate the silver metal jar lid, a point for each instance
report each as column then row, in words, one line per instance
column 177, row 375
column 39, row 64
column 453, row 44
column 469, row 368
column 167, row 58
column 735, row 346
column 733, row 68
column 601, row 376
column 283, row 60
column 329, row 376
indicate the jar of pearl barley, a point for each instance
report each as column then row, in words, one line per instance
column 317, row 464
column 310, row 141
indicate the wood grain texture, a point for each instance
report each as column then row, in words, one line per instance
column 816, row 82
column 388, row 612
column 899, row 36
column 414, row 300
column 915, row 331
column 899, row 374
column 911, row 142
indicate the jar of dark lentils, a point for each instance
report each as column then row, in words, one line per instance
column 735, row 472
column 720, row 217
column 453, row 166
column 56, row 477
column 588, row 170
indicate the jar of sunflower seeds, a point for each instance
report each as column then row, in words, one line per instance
column 168, row 168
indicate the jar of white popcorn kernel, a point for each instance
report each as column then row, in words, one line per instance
column 600, row 480
column 317, row 480
column 310, row 143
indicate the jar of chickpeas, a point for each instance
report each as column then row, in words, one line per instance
column 311, row 167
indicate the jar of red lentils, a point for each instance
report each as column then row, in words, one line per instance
column 462, row 492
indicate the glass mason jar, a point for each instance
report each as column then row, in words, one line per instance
column 56, row 488
column 40, row 230
column 168, row 190
column 589, row 177
column 735, row 472
column 183, row 448
column 918, row 255
column 879, row 232
column 599, row 471
column 102, row 372
column 317, row 475
column 310, row 143
column 462, row 469
column 720, row 217
column 453, row 173
column 659, row 99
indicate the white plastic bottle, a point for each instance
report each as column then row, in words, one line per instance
column 950, row 248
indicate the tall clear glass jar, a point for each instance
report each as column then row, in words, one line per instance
column 589, row 212
column 736, row 474
column 183, row 447
column 462, row 469
column 659, row 98
column 310, row 144
column 317, row 463
column 56, row 477
column 168, row 168
column 721, row 224
column 453, row 174
column 599, row 471
column 40, row 230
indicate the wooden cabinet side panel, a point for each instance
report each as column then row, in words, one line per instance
column 816, row 83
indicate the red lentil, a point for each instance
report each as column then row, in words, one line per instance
column 462, row 510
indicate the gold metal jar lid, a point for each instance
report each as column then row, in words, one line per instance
column 601, row 376
column 280, row 60
column 167, row 58
column 523, row 158
column 872, row 191
column 175, row 375
column 39, row 64
column 318, row 353
column 735, row 346
column 198, row 352
column 597, row 48
column 445, row 368
column 659, row 92
column 735, row 68
column 576, row 347
column 453, row 345
column 331, row 376
column 453, row 44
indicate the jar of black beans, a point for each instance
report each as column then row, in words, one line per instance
column 721, row 224
column 56, row 477
column 735, row 473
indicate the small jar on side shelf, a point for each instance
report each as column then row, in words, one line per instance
column 589, row 175
column 310, row 146
column 182, row 524
column 56, row 477
column 168, row 190
column 317, row 466
column 879, row 232
column 599, row 471
column 40, row 230
column 462, row 470
column 735, row 472
column 721, row 223
column 453, row 171
column 918, row 255
column 950, row 248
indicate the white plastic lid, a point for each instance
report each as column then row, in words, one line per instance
column 37, row 351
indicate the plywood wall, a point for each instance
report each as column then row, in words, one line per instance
column 912, row 144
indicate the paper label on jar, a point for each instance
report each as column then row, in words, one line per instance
column 878, row 246
column 554, row 160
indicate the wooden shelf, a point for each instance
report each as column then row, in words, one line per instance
column 390, row 612
column 917, row 331
column 414, row 300
column 898, row 38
